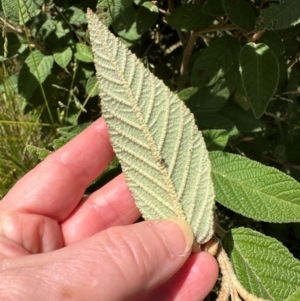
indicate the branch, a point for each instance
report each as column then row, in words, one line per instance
column 187, row 53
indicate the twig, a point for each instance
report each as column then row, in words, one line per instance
column 214, row 28
column 187, row 53
column 294, row 60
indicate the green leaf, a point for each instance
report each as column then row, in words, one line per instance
column 280, row 153
column 15, row 45
column 240, row 95
column 260, row 74
column 41, row 152
column 10, row 84
column 11, row 10
column 245, row 121
column 67, row 133
column 146, row 17
column 187, row 93
column 102, row 11
column 83, row 53
column 215, row 61
column 63, row 57
column 116, row 7
column 19, row 12
column 262, row 264
column 255, row 190
column 273, row 40
column 207, row 100
column 125, row 24
column 283, row 71
column 75, row 15
column 240, row 13
column 35, row 70
column 154, row 136
column 294, row 297
column 38, row 97
column 91, row 87
column 206, row 121
column 283, row 15
column 189, row 17
column 213, row 7
column 215, row 139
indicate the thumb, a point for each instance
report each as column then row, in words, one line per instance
column 139, row 257
column 116, row 264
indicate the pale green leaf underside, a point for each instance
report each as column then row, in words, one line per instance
column 161, row 151
column 263, row 265
column 255, row 190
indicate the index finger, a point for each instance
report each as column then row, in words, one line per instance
column 56, row 185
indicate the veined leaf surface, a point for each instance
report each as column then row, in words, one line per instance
column 262, row 264
column 162, row 153
column 255, row 190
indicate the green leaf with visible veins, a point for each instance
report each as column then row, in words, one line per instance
column 240, row 13
column 294, row 297
column 255, row 190
column 260, row 75
column 283, row 15
column 262, row 264
column 162, row 153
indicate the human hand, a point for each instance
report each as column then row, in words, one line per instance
column 56, row 245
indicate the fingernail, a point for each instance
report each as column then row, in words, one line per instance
column 177, row 234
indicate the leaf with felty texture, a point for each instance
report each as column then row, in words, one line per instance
column 162, row 153
column 189, row 17
column 260, row 75
column 280, row 16
column 240, row 13
column 262, row 264
column 255, row 190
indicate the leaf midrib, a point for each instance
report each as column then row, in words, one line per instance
column 155, row 153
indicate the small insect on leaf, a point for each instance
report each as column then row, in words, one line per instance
column 148, row 124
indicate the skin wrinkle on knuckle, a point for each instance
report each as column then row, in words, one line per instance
column 132, row 247
column 114, row 244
